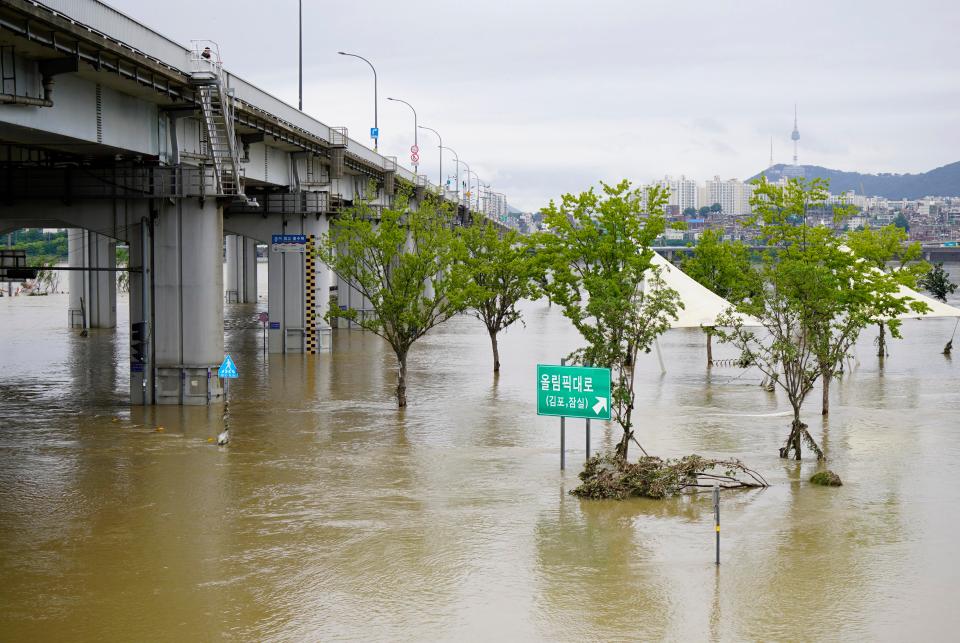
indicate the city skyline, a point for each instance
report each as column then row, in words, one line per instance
column 544, row 103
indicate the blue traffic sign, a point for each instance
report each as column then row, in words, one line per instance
column 374, row 132
column 289, row 238
column 228, row 370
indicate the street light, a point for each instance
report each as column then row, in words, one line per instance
column 469, row 172
column 468, row 182
column 479, row 187
column 441, row 154
column 376, row 127
column 456, row 160
column 397, row 100
column 300, row 18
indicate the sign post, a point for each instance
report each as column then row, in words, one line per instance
column 573, row 391
column 264, row 318
column 563, row 425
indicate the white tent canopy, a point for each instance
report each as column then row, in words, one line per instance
column 701, row 305
column 937, row 308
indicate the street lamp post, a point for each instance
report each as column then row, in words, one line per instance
column 456, row 160
column 479, row 187
column 441, row 156
column 469, row 172
column 376, row 126
column 397, row 100
column 300, row 17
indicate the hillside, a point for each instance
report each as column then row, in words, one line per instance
column 942, row 181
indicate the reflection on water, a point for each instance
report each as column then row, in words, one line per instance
column 334, row 515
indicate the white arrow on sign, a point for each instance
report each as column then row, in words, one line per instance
column 600, row 406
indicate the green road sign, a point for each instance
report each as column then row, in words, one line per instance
column 573, row 391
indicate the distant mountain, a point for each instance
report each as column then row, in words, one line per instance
column 942, row 181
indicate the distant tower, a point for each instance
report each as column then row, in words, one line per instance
column 771, row 152
column 795, row 136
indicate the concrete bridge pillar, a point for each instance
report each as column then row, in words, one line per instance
column 248, row 293
column 234, row 260
column 241, row 270
column 93, row 293
column 76, row 308
column 350, row 297
column 141, row 315
column 299, row 287
column 188, row 301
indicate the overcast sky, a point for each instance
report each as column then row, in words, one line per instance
column 542, row 98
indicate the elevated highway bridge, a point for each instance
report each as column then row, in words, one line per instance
column 120, row 134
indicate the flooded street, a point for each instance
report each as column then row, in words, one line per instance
column 332, row 515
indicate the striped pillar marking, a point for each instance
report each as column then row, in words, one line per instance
column 310, row 295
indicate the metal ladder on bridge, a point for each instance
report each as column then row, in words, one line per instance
column 216, row 104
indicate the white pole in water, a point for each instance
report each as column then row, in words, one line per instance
column 716, row 516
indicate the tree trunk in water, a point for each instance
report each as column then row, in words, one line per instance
column 709, row 347
column 793, row 440
column 882, row 341
column 826, row 375
column 402, row 383
column 624, row 445
column 496, row 351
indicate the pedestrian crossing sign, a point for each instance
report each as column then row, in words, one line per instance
column 228, row 370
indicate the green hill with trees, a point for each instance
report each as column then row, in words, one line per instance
column 942, row 181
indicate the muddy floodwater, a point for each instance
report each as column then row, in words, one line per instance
column 332, row 515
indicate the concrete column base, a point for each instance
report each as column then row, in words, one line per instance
column 299, row 293
column 93, row 294
column 188, row 302
column 248, row 293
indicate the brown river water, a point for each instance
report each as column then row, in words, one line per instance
column 332, row 515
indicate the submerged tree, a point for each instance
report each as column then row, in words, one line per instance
column 723, row 268
column 816, row 299
column 391, row 257
column 497, row 270
column 599, row 263
column 888, row 249
column 937, row 282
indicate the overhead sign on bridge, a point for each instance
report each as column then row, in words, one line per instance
column 288, row 243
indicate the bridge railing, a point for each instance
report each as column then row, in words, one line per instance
column 134, row 182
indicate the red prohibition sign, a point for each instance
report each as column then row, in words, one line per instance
column 414, row 149
column 414, row 158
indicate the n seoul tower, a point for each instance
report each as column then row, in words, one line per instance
column 795, row 136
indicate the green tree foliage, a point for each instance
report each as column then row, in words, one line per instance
column 497, row 270
column 817, row 297
column 724, row 268
column 46, row 247
column 716, row 208
column 937, row 282
column 689, row 212
column 901, row 222
column 600, row 271
column 704, row 211
column 123, row 261
column 400, row 259
column 888, row 249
